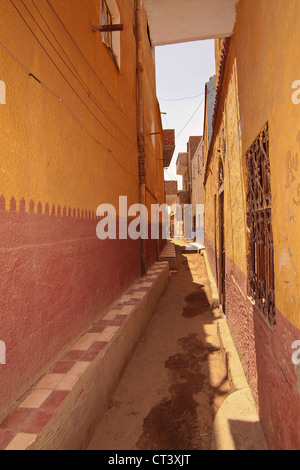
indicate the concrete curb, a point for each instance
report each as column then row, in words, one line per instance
column 237, row 424
column 235, row 372
column 169, row 254
column 215, row 303
column 63, row 408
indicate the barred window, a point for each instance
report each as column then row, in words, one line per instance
column 259, row 222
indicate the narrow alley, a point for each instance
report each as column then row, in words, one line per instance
column 176, row 380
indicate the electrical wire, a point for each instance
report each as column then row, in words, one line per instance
column 75, row 72
column 182, row 99
column 58, row 43
column 171, row 172
column 198, row 107
column 61, row 100
column 85, row 59
column 61, row 73
column 82, row 101
column 211, row 91
column 170, row 175
column 168, row 169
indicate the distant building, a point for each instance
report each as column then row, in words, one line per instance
column 171, row 190
column 210, row 96
column 192, row 146
column 198, row 190
column 184, row 169
column 169, row 146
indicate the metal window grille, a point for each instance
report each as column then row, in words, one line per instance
column 107, row 20
column 259, row 222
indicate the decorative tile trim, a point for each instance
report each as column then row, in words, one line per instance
column 6, row 437
column 36, row 399
column 86, row 341
column 25, row 423
column 21, row 441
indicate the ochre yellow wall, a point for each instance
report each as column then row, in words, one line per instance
column 211, row 189
column 268, row 56
column 152, row 117
column 262, row 65
column 49, row 152
column 234, row 186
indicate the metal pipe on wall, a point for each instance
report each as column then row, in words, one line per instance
column 141, row 124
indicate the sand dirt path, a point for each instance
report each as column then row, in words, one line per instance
column 175, row 381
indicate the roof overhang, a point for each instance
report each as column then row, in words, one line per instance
column 175, row 21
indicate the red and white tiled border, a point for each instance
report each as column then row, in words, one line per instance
column 22, row 426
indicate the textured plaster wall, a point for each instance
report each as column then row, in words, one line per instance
column 267, row 96
column 57, row 160
column 66, row 148
column 261, row 67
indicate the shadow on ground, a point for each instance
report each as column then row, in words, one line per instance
column 173, row 424
column 176, row 380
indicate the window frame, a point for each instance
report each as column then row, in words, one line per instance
column 106, row 20
column 110, row 15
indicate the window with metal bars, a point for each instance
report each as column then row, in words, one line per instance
column 106, row 21
column 259, row 222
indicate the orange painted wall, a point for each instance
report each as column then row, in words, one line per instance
column 53, row 150
column 68, row 144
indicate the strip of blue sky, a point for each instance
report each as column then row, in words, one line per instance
column 181, row 72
